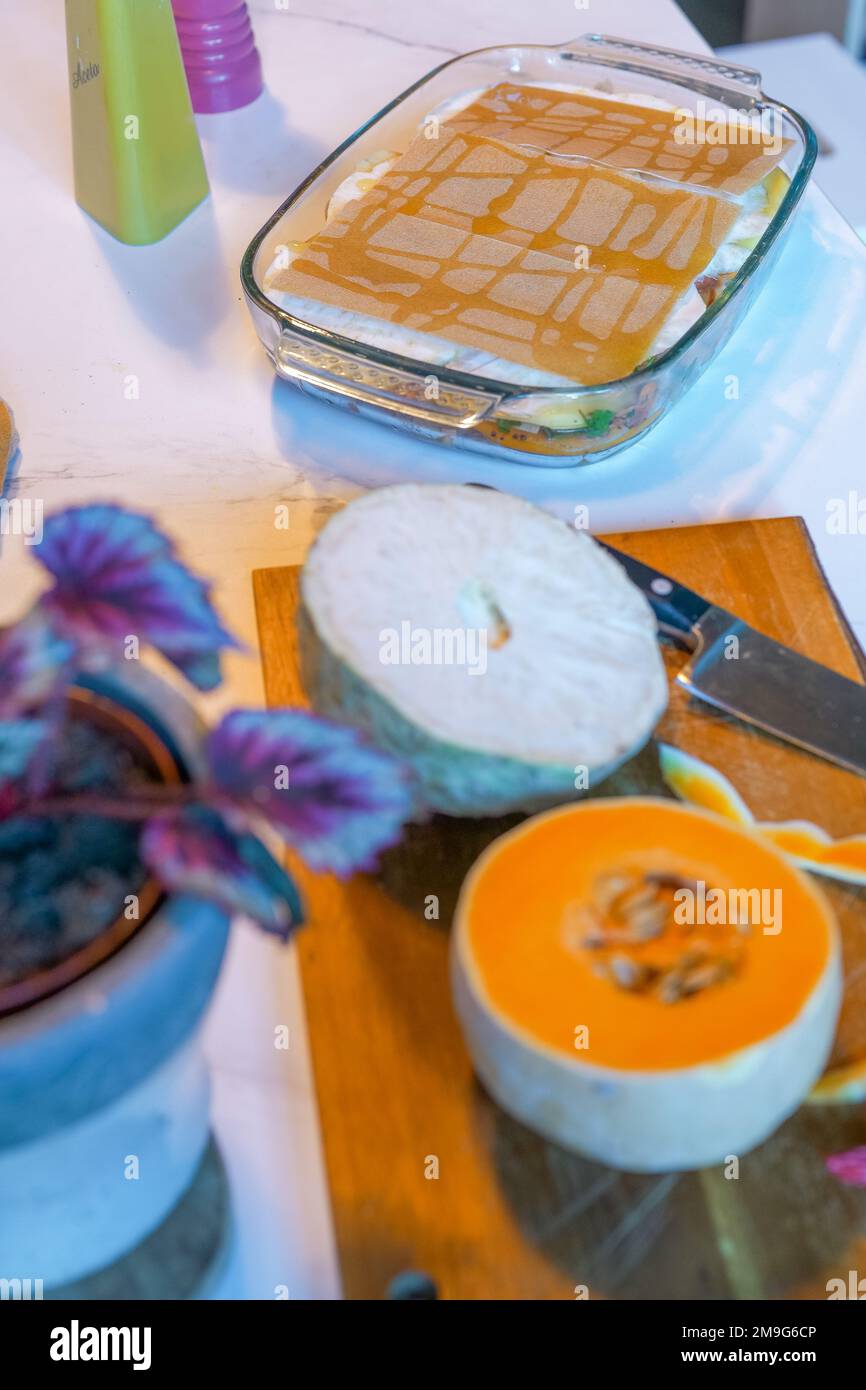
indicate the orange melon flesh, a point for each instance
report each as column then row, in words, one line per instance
column 702, row 785
column 540, row 980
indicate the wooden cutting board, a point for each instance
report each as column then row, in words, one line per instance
column 425, row 1172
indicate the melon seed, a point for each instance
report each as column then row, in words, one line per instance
column 646, row 922
column 671, row 987
column 607, row 888
column 628, row 973
column 637, row 896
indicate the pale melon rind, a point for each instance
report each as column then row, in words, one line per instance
column 453, row 780
column 652, row 1121
column 511, row 759
column 841, row 1086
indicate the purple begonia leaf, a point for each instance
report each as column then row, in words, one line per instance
column 34, row 664
column 849, row 1167
column 330, row 796
column 117, row 576
column 20, row 741
column 194, row 852
column 10, row 800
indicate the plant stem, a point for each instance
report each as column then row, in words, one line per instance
column 143, row 803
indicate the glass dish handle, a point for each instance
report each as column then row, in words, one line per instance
column 651, row 58
column 368, row 382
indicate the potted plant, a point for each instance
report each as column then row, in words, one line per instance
column 129, row 837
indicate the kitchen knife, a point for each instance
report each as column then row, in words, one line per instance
column 745, row 673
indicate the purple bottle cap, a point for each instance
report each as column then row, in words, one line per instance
column 222, row 63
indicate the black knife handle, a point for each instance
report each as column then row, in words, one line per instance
column 678, row 610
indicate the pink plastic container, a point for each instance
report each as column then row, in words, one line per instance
column 219, row 53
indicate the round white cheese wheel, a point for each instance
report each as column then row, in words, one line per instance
column 501, row 653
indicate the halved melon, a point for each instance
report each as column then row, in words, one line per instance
column 645, row 983
column 505, row 657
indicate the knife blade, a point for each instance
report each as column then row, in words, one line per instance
column 741, row 671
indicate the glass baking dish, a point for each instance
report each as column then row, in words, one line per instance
column 548, row 426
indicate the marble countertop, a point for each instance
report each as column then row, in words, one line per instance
column 214, row 445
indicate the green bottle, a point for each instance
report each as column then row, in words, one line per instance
column 138, row 163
